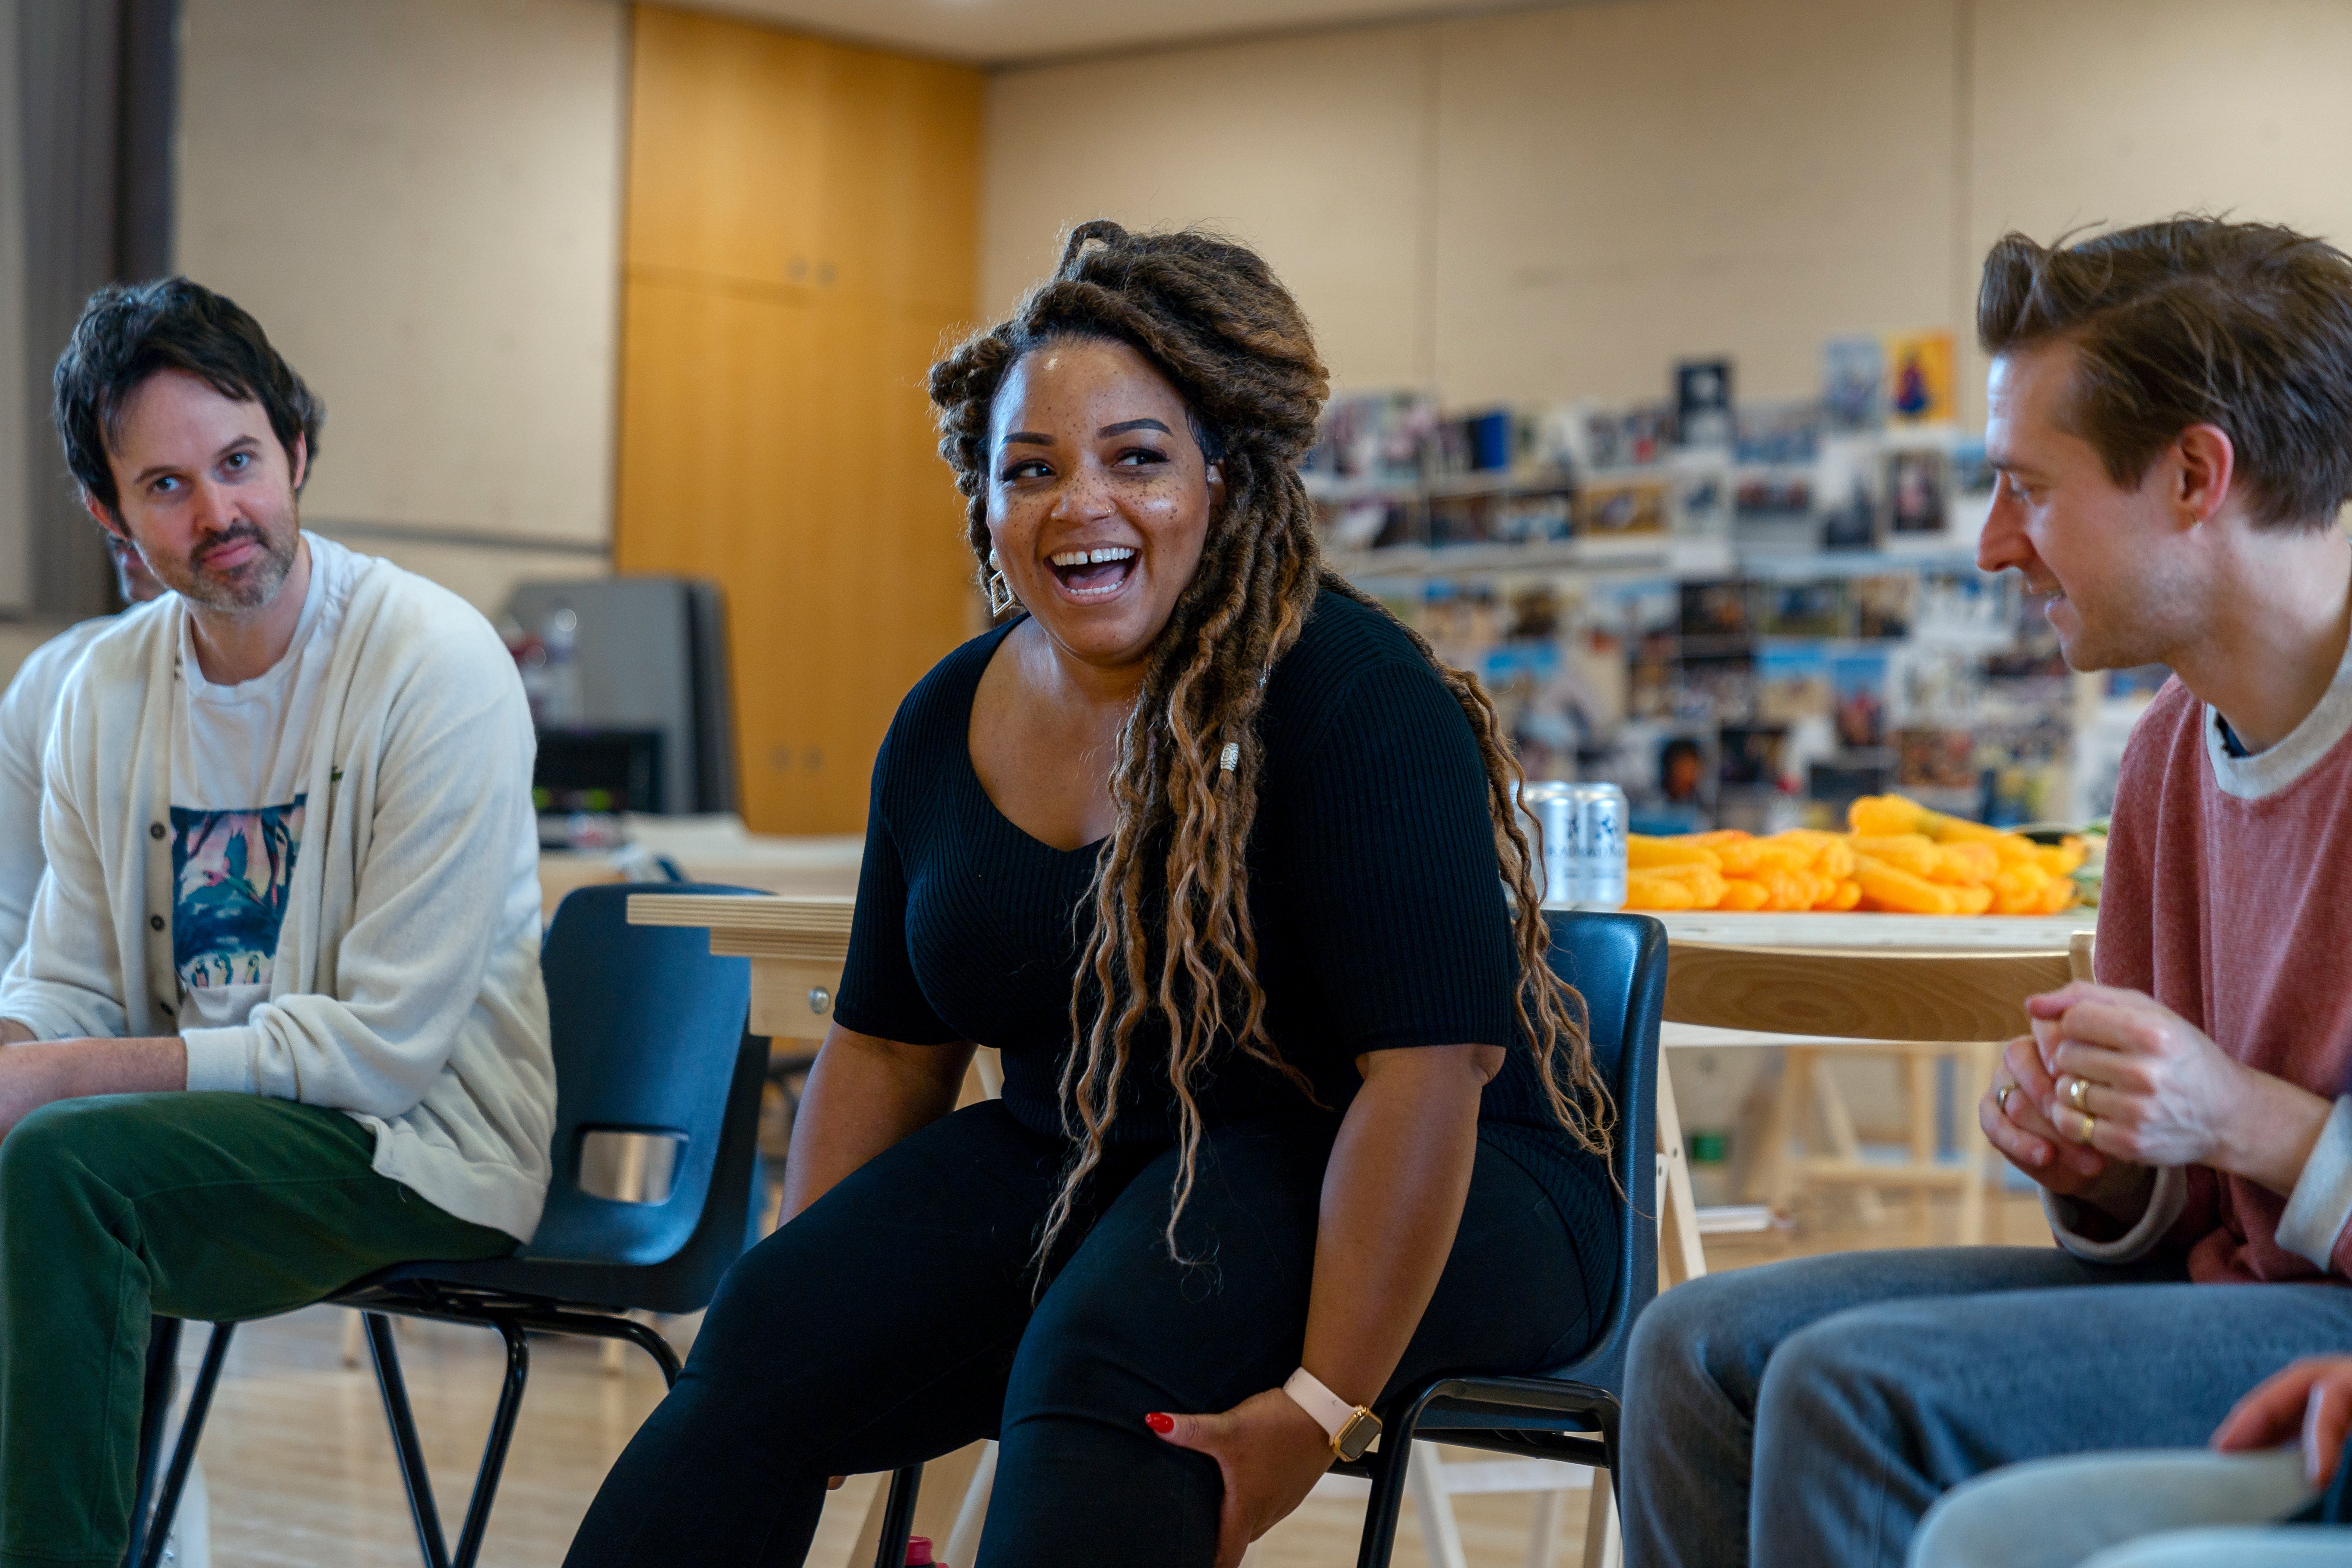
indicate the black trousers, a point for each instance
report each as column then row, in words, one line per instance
column 898, row 1319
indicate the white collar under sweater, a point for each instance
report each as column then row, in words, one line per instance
column 2272, row 769
column 405, row 989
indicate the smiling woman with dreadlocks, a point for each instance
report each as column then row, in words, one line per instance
column 1222, row 859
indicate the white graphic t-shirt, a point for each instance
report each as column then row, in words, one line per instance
column 238, row 758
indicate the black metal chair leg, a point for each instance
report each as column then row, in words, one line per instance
column 154, row 1410
column 404, row 1446
column 898, row 1518
column 1380, row 1510
column 494, row 1451
column 183, row 1452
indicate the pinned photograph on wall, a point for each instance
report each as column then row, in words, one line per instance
column 1914, row 488
column 1853, row 380
column 1792, row 683
column 1776, row 434
column 1529, row 518
column 1719, row 687
column 1703, row 403
column 1858, row 699
column 1973, row 482
column 1882, row 605
column 1847, row 495
column 1682, row 769
column 1773, row 497
column 1967, row 607
column 1620, row 437
column 1630, row 506
column 1935, row 759
column 1750, row 754
column 1972, row 471
column 1919, row 378
column 1715, row 609
column 1702, row 502
column 1805, row 609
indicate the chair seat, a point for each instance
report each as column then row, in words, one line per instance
column 600, row 1287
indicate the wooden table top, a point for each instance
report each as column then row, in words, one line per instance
column 808, row 927
column 1946, row 933
column 815, row 926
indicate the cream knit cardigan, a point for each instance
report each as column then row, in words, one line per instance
column 405, row 990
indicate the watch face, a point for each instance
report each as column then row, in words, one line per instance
column 1356, row 1437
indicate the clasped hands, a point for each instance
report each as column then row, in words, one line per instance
column 2112, row 1081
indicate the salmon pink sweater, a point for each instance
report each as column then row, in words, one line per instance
column 2229, row 899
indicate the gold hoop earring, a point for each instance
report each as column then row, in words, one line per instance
column 1001, row 597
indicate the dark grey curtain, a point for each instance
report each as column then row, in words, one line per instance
column 97, row 91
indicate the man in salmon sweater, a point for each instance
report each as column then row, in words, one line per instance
column 2170, row 417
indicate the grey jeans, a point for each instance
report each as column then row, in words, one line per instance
column 2110, row 1509
column 1805, row 1414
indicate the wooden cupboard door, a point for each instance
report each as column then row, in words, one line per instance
column 727, row 136
column 783, row 450
column 801, row 246
column 899, row 181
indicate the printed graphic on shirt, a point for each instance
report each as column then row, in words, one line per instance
column 229, row 876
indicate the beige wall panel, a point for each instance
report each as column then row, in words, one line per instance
column 2119, row 112
column 420, row 200
column 1313, row 150
column 1621, row 185
column 482, row 575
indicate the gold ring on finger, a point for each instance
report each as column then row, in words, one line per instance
column 2076, row 1089
column 2090, row 1125
column 2000, row 1096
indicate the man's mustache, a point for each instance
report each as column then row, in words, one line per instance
column 236, row 534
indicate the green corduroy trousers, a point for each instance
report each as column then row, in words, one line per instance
column 214, row 1207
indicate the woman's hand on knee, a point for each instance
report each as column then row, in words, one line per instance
column 1270, row 1454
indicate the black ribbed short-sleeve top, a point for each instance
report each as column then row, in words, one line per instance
column 1374, row 888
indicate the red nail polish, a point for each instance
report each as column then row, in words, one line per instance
column 1163, row 1424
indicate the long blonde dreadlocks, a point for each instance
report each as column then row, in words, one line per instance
column 1212, row 317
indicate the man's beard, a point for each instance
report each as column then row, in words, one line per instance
column 247, row 587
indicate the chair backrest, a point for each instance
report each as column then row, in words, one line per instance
column 649, row 1039
column 2079, row 951
column 1860, row 994
column 1618, row 963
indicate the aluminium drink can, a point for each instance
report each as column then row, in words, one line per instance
column 1583, row 830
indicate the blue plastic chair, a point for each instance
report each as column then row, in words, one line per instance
column 649, row 1038
column 1618, row 963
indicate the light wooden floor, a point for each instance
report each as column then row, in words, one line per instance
column 300, row 1471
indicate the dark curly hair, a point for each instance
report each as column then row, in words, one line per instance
column 129, row 332
column 1210, row 316
column 2195, row 320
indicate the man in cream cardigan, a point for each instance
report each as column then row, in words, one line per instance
column 278, row 1022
